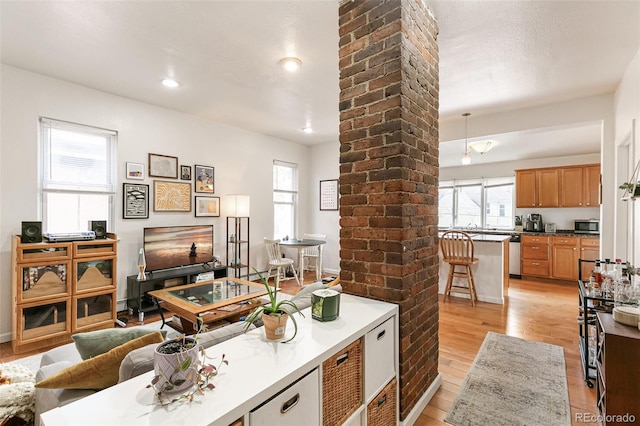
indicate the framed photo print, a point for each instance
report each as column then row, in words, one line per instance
column 135, row 171
column 163, row 166
column 207, row 206
column 329, row 194
column 135, row 201
column 204, row 179
column 171, row 196
column 185, row 172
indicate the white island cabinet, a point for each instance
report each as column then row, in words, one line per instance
column 491, row 273
column 261, row 371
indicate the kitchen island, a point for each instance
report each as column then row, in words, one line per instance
column 491, row 273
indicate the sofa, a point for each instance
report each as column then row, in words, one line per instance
column 136, row 362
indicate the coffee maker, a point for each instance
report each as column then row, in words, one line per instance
column 534, row 223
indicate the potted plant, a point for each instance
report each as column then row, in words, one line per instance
column 178, row 368
column 273, row 313
column 631, row 189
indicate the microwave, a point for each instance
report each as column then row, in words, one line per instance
column 586, row 226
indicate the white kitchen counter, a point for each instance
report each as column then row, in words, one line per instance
column 491, row 273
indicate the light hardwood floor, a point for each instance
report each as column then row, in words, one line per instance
column 535, row 310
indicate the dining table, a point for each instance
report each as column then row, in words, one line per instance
column 301, row 244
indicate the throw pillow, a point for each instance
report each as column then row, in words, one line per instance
column 98, row 372
column 94, row 343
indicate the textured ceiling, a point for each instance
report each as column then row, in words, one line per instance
column 493, row 55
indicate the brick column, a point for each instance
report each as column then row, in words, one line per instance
column 389, row 173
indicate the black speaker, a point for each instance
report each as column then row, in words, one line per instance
column 99, row 227
column 31, row 232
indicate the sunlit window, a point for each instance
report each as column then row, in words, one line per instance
column 285, row 199
column 476, row 203
column 77, row 175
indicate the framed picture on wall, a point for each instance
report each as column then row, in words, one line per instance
column 135, row 171
column 204, row 179
column 185, row 172
column 164, row 166
column 329, row 194
column 171, row 196
column 207, row 206
column 135, row 202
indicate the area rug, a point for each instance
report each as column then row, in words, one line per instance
column 513, row 382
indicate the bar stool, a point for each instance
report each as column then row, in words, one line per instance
column 458, row 250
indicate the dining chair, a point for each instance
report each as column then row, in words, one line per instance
column 277, row 261
column 458, row 251
column 313, row 253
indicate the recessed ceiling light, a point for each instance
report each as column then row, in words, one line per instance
column 169, row 82
column 290, row 63
column 307, row 129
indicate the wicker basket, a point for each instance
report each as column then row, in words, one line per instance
column 382, row 410
column 342, row 385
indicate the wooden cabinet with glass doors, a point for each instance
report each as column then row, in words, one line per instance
column 60, row 289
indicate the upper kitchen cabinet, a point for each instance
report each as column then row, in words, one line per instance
column 571, row 186
column 580, row 186
column 592, row 185
column 537, row 188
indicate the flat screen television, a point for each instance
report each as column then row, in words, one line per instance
column 173, row 246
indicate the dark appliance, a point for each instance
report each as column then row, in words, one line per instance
column 99, row 227
column 31, row 232
column 586, row 226
column 534, row 223
column 514, row 256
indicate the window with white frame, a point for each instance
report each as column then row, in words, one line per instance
column 482, row 203
column 77, row 175
column 285, row 199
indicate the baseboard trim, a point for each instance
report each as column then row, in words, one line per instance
column 422, row 402
column 5, row 337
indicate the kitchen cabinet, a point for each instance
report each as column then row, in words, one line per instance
column 564, row 258
column 534, row 252
column 580, row 186
column 556, row 256
column 592, row 185
column 570, row 186
column 589, row 250
column 537, row 188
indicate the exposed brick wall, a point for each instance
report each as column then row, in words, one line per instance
column 389, row 173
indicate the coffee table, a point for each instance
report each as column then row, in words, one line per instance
column 210, row 301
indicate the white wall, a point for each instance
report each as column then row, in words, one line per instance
column 325, row 165
column 627, row 109
column 242, row 161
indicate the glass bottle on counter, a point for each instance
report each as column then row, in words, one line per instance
column 625, row 294
column 597, row 273
column 607, row 279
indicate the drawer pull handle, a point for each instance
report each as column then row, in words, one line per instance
column 535, row 248
column 381, row 334
column 382, row 399
column 342, row 358
column 290, row 403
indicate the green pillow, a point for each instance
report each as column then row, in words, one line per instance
column 93, row 343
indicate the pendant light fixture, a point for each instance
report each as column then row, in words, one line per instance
column 466, row 158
